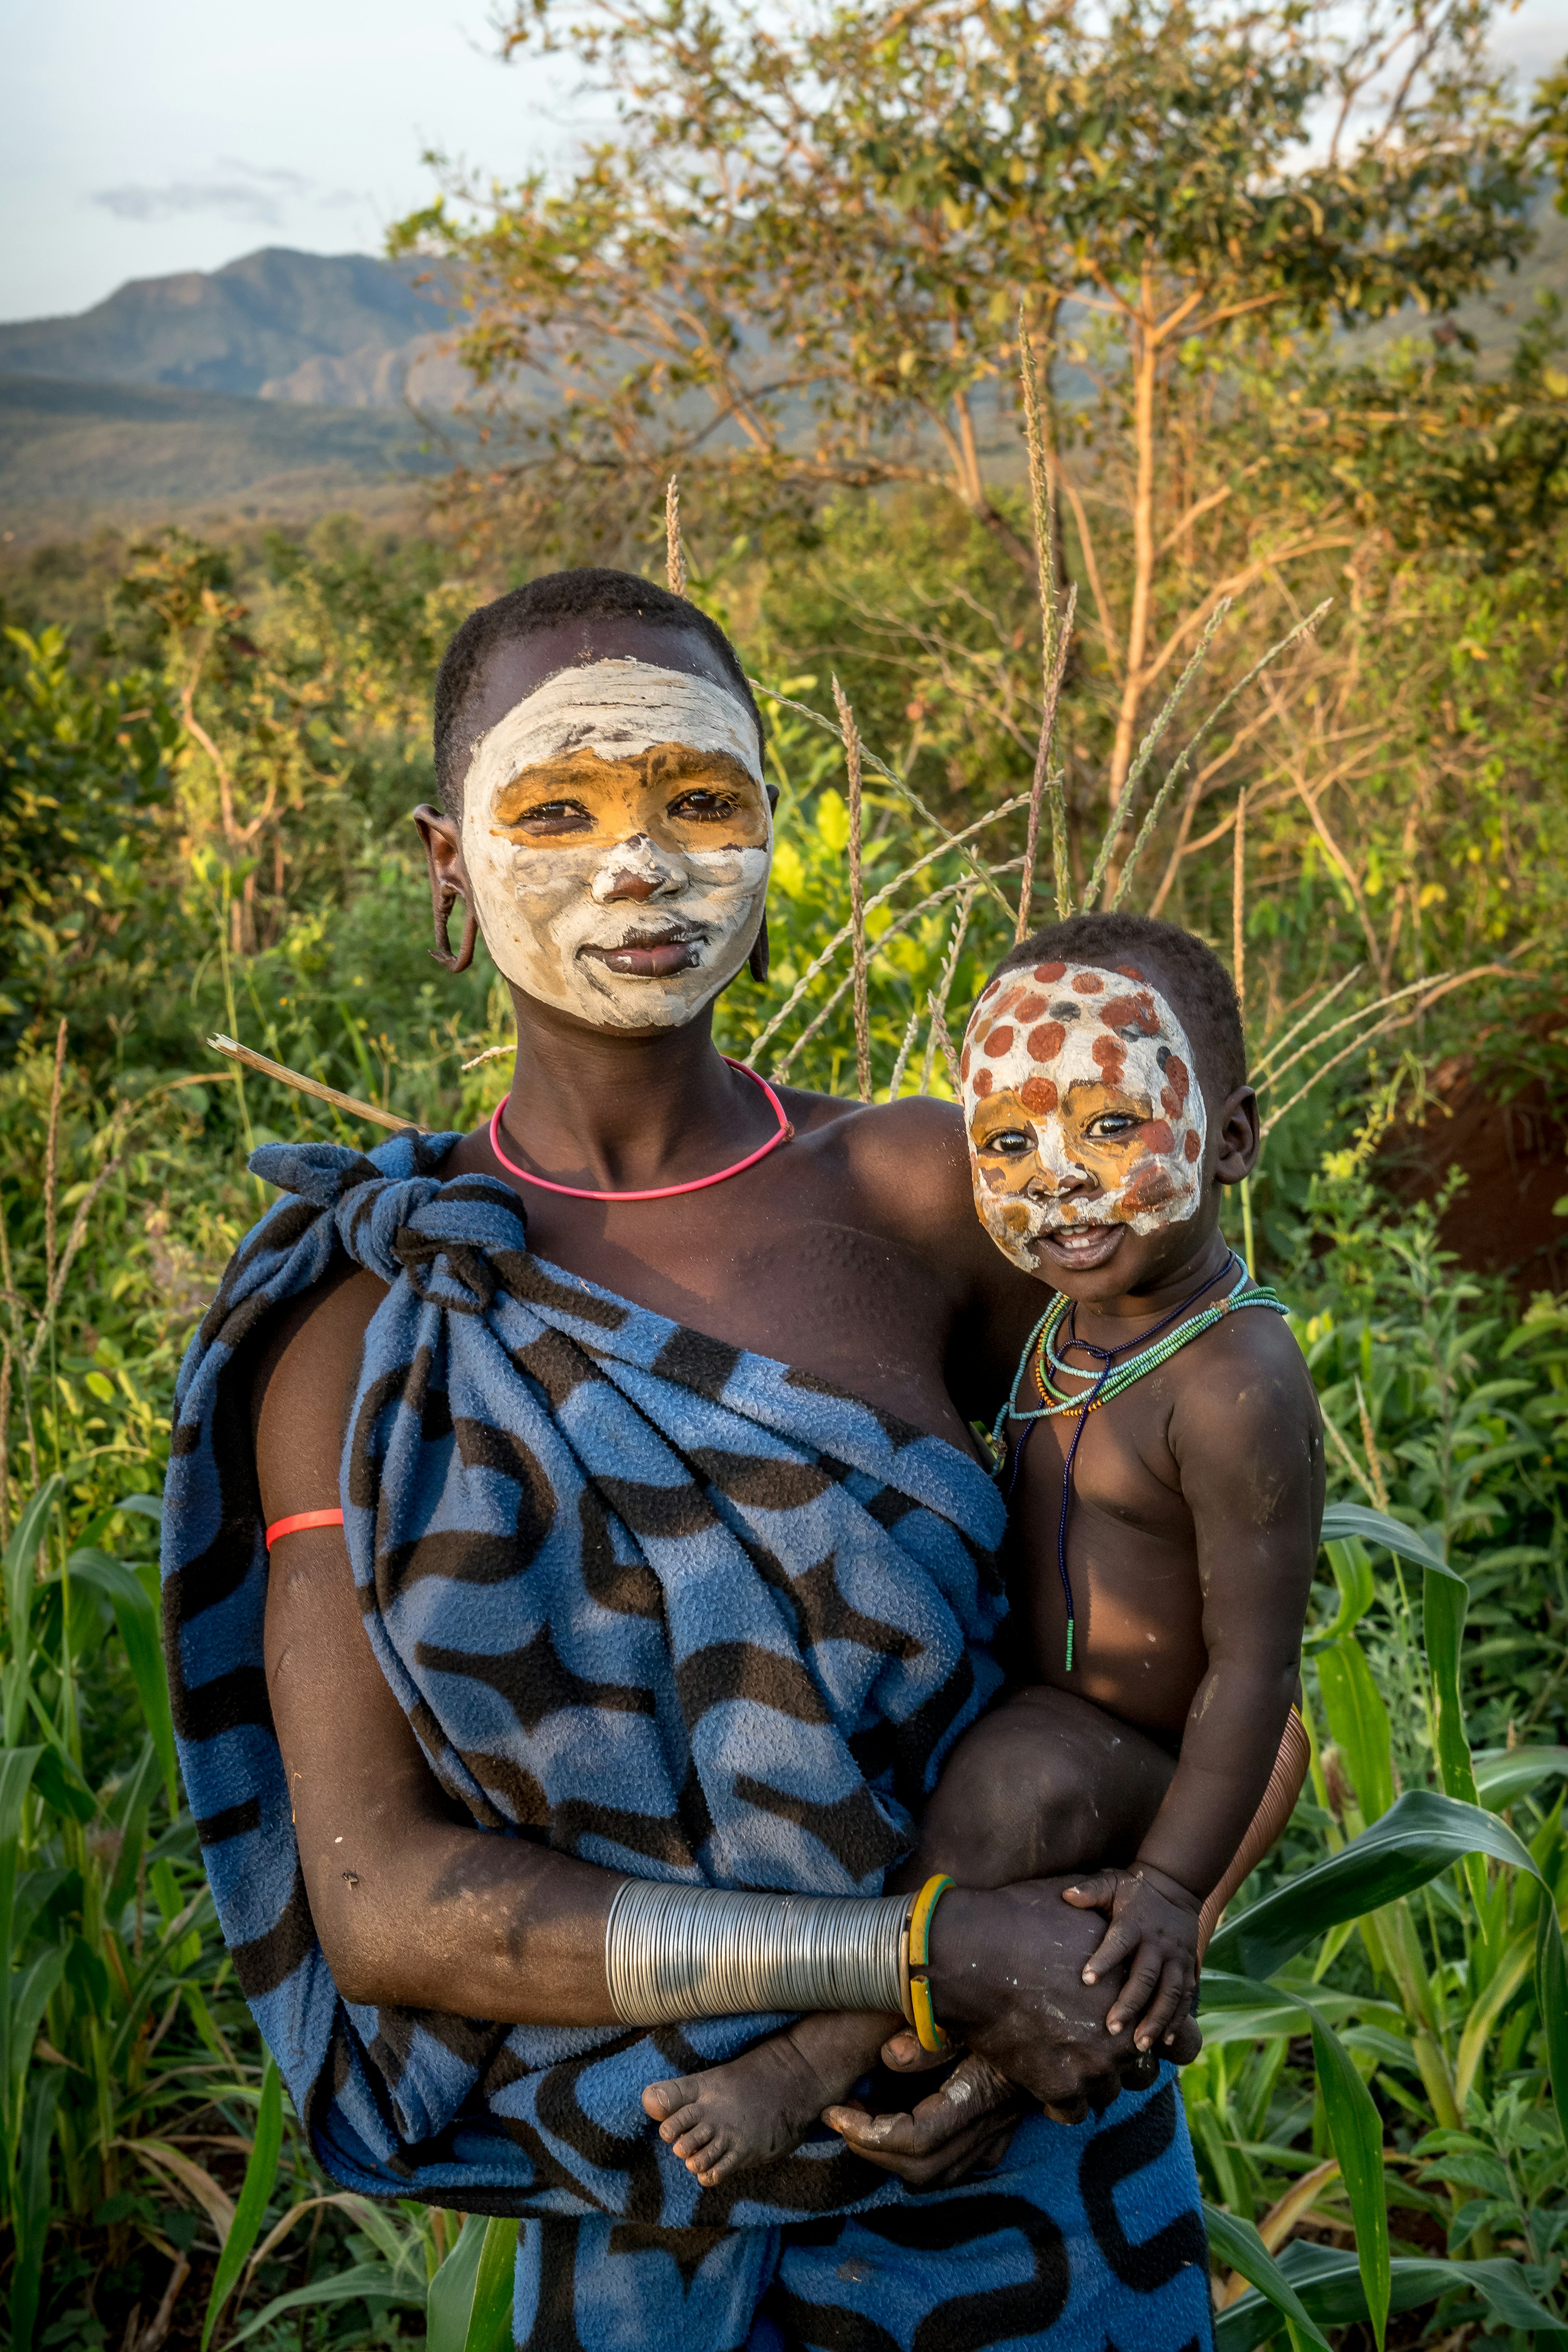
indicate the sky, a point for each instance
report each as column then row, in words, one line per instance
column 178, row 134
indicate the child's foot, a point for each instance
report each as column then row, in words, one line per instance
column 762, row 2104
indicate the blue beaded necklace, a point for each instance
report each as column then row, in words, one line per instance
column 1109, row 1381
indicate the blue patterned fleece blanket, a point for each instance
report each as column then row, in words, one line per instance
column 689, row 1615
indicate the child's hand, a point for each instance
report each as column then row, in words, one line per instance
column 1156, row 1920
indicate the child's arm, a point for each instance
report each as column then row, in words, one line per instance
column 1249, row 1442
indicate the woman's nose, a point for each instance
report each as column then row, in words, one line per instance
column 635, row 870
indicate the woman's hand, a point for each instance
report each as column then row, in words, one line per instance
column 1007, row 1976
column 964, row 2126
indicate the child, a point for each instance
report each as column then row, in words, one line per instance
column 1163, row 1456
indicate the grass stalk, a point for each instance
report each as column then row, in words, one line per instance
column 820, row 962
column 905, row 790
column 675, row 571
column 1157, row 806
column 304, row 1085
column 857, row 894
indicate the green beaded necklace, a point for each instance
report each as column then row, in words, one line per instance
column 1110, row 1381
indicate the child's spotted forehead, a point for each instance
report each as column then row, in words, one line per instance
column 1039, row 1008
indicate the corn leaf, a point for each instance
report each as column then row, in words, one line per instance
column 369, row 2283
column 1503, row 1775
column 30, row 2214
column 137, row 1619
column 1551, row 1984
column 1236, row 2242
column 1358, row 1722
column 261, row 2172
column 469, row 2307
column 1420, row 1836
column 1355, row 2129
column 1329, row 2283
column 1346, row 1519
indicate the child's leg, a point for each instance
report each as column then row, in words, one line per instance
column 1044, row 1783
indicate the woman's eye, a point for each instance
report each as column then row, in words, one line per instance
column 557, row 816
column 703, row 808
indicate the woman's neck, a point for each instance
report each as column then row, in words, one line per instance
column 617, row 1111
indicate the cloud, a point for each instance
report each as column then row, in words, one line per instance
column 256, row 192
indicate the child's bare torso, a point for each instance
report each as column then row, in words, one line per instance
column 1139, row 1650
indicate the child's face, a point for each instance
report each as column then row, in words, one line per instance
column 1084, row 1114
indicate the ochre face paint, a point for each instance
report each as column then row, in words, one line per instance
column 1081, row 1104
column 618, row 840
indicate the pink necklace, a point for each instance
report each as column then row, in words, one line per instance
column 657, row 1192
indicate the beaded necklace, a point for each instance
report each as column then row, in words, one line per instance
column 1111, row 1380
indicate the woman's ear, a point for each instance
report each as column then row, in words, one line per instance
column 1239, row 1136
column 448, row 883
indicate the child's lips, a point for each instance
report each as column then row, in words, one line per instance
column 1076, row 1249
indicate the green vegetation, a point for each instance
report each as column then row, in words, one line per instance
column 206, row 756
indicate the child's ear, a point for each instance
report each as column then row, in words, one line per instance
column 1238, row 1136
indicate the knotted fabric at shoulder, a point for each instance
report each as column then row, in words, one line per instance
column 392, row 1213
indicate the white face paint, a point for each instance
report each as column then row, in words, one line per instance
column 1082, row 1105
column 618, row 840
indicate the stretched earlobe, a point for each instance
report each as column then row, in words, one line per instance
column 442, row 951
column 757, row 961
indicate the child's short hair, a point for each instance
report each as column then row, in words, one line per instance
column 1190, row 973
column 587, row 593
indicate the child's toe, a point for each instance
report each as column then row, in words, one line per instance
column 662, row 2100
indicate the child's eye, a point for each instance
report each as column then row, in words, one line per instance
column 557, row 816
column 1012, row 1142
column 703, row 808
column 1112, row 1125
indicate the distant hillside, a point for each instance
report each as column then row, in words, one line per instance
column 340, row 332
column 74, row 454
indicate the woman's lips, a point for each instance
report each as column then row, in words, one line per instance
column 654, row 958
column 1078, row 1248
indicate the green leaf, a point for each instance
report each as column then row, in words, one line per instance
column 1551, row 1990
column 137, row 1619
column 1355, row 2129
column 1358, row 1722
column 1445, row 1598
column 1344, row 1519
column 29, row 1991
column 1503, row 1775
column 1353, row 1574
column 469, row 2306
column 20, row 1553
column 1421, row 1835
column 16, row 1767
column 261, row 2172
column 370, row 2282
column 31, row 2215
column 1236, row 2242
column 1329, row 2283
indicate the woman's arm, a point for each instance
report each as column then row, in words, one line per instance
column 413, row 1907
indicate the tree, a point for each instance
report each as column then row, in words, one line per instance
column 799, row 265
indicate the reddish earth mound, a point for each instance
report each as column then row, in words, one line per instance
column 1515, row 1155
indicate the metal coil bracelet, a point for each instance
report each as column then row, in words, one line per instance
column 672, row 1952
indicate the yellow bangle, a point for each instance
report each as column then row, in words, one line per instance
column 918, row 2008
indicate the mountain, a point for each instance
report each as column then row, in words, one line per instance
column 74, row 455
column 341, row 331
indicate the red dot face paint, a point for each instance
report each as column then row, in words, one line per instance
column 1085, row 1117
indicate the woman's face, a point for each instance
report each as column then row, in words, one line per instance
column 617, row 839
column 1083, row 1112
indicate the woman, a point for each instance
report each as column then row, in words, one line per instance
column 632, row 1432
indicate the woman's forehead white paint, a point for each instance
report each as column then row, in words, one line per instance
column 678, row 903
column 617, row 708
column 1081, row 1103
